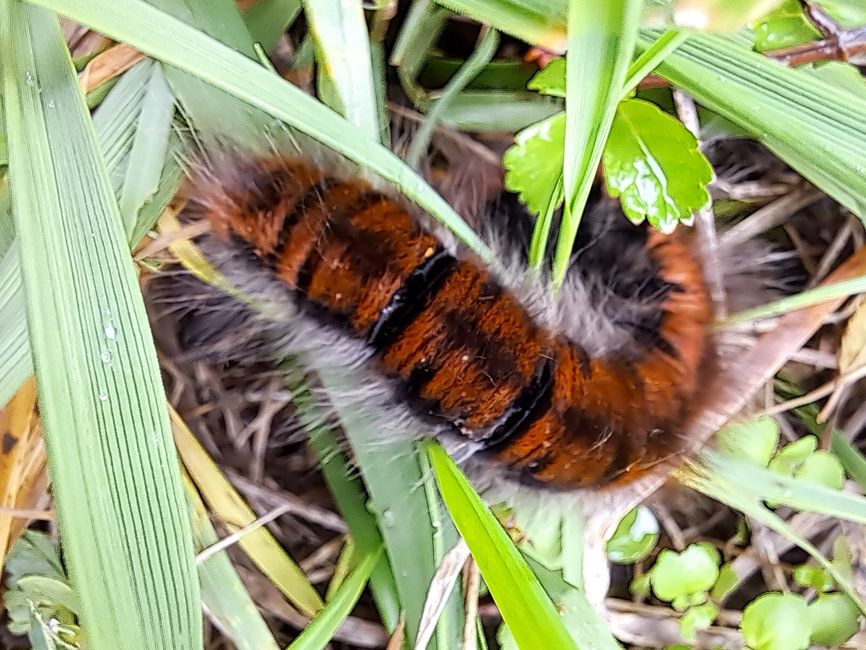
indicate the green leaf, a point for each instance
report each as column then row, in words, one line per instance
column 822, row 468
column 726, row 583
column 834, row 618
column 783, row 27
column 754, row 441
column 347, row 491
column 524, row 605
column 52, row 591
column 792, row 455
column 776, row 622
column 550, row 80
column 808, row 575
column 115, row 475
column 34, row 553
column 416, row 531
column 537, row 22
column 640, row 586
column 695, row 570
column 533, row 165
column 697, row 618
column 634, row 538
column 652, row 162
column 813, row 125
column 343, row 55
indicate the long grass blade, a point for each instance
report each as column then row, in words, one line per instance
column 601, row 39
column 322, row 628
column 223, row 595
column 525, row 606
column 416, row 535
column 343, row 54
column 175, row 43
column 116, row 479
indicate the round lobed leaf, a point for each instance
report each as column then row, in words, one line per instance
column 754, row 441
column 834, row 619
column 776, row 621
column 677, row 576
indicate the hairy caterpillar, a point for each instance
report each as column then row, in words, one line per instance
column 582, row 390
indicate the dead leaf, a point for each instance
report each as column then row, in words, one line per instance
column 23, row 476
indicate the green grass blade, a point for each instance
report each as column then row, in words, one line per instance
column 482, row 55
column 524, row 605
column 122, row 518
column 347, row 492
column 174, row 42
column 147, row 156
column 801, row 300
column 535, row 21
column 343, row 54
column 416, row 536
column 222, row 593
column 322, row 628
column 601, row 39
column 268, row 20
column 813, row 125
column 15, row 362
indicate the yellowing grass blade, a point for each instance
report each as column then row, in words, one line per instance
column 231, row 508
column 123, row 521
column 223, row 595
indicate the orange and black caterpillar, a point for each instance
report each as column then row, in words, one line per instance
column 586, row 391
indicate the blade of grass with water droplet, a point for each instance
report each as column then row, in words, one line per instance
column 116, row 480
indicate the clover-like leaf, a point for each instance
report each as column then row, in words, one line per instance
column 634, row 538
column 783, row 27
column 754, row 440
column 678, row 576
column 776, row 621
column 653, row 164
column 822, row 467
column 792, row 455
column 834, row 618
column 533, row 165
